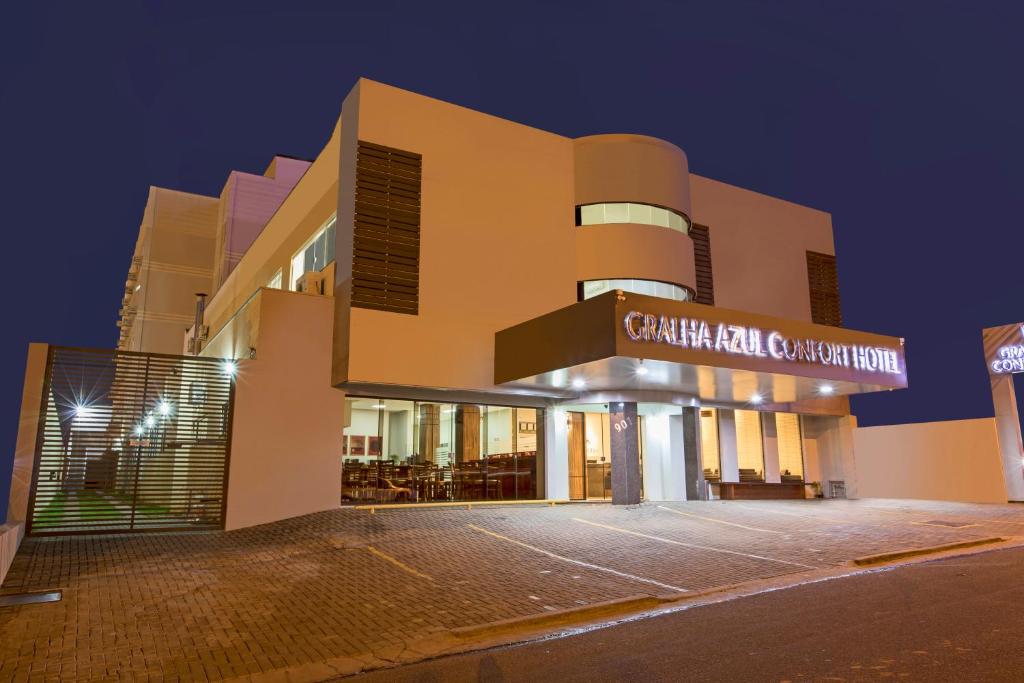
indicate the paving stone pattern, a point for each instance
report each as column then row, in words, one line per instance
column 347, row 583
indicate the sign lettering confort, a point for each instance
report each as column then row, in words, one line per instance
column 1010, row 358
column 700, row 335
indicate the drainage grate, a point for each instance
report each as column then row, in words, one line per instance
column 28, row 598
column 942, row 522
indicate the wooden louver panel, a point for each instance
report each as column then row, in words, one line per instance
column 702, row 261
column 386, row 234
column 823, row 283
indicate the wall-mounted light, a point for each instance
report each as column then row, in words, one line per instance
column 229, row 368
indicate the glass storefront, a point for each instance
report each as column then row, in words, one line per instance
column 749, row 445
column 413, row 451
column 709, row 453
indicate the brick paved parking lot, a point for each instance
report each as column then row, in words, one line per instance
column 347, row 583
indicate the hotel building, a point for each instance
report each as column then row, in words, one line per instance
column 448, row 306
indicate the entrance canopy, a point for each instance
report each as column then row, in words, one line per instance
column 625, row 342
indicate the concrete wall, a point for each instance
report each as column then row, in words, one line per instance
column 247, row 203
column 176, row 248
column 308, row 207
column 953, row 460
column 758, row 247
column 28, row 430
column 497, row 238
column 10, row 540
column 287, row 432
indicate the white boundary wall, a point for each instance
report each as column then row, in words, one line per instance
column 956, row 460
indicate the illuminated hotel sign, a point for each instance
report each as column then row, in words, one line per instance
column 700, row 335
column 1004, row 349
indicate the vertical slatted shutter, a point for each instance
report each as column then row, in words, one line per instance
column 386, row 235
column 702, row 261
column 823, row 283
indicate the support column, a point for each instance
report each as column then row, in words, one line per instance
column 694, row 472
column 625, row 451
column 1011, row 452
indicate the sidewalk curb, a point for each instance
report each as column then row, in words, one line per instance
column 572, row 615
column 868, row 560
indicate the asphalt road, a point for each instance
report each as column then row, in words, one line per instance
column 949, row 620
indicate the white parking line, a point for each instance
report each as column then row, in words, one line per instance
column 692, row 545
column 796, row 514
column 720, row 521
column 580, row 563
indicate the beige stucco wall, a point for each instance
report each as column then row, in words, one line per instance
column 497, row 239
column 176, row 246
column 758, row 247
column 631, row 168
column 287, row 429
column 624, row 250
column 953, row 460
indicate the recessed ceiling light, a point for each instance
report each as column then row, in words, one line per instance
column 642, row 369
column 579, row 383
column 756, row 398
column 826, row 389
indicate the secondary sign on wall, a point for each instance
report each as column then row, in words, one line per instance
column 1004, row 348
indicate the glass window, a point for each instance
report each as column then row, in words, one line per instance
column 616, row 213
column 640, row 213
column 316, row 255
column 664, row 290
column 791, row 457
column 659, row 216
column 709, row 453
column 408, row 451
column 632, row 212
column 275, row 282
column 592, row 214
column 749, row 445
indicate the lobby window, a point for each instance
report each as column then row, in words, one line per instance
column 631, row 212
column 315, row 255
column 412, row 451
column 791, row 457
column 709, row 453
column 665, row 290
column 749, row 445
column 275, row 282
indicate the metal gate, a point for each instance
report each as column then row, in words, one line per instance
column 131, row 442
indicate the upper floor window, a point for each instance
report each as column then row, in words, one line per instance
column 631, row 212
column 315, row 256
column 665, row 290
column 275, row 282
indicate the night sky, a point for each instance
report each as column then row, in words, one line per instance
column 901, row 119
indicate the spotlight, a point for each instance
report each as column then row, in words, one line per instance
column 641, row 369
column 756, row 398
column 579, row 383
column 229, row 368
column 826, row 389
column 164, row 408
column 82, row 411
